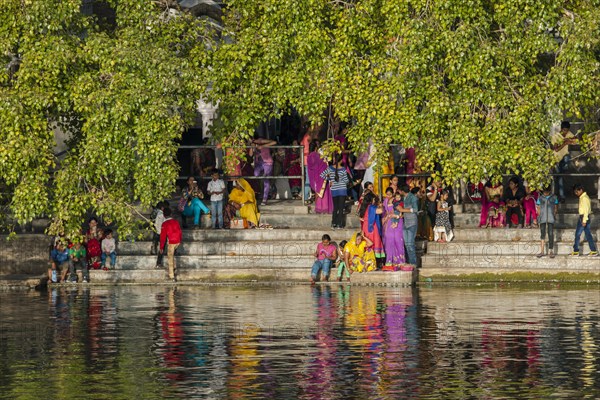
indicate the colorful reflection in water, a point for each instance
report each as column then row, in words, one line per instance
column 288, row 342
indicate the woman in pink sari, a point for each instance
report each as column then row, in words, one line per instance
column 316, row 165
column 529, row 206
column 486, row 201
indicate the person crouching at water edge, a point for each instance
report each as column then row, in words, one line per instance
column 59, row 263
column 356, row 255
column 325, row 255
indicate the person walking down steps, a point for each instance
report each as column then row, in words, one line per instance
column 171, row 232
column 584, row 222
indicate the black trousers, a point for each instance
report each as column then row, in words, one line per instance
column 509, row 213
column 338, row 218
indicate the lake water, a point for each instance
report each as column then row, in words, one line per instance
column 298, row 342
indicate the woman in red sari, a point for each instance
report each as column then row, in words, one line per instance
column 93, row 248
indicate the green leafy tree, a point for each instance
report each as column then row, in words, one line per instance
column 474, row 85
column 123, row 86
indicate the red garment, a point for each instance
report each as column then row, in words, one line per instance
column 374, row 236
column 170, row 229
column 293, row 169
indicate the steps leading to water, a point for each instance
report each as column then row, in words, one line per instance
column 477, row 250
column 494, row 235
column 286, row 252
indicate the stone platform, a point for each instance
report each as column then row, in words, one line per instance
column 285, row 253
column 499, row 252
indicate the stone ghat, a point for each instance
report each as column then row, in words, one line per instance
column 284, row 254
column 495, row 254
column 240, row 255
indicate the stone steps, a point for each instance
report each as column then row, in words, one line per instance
column 221, row 261
column 307, row 220
column 270, row 235
column 241, row 248
column 570, row 207
column 493, row 235
column 148, row 276
column 465, row 220
column 495, row 249
column 516, row 262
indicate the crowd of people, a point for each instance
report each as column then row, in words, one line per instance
column 392, row 217
column 97, row 250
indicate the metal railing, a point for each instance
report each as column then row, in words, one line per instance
column 458, row 187
column 275, row 147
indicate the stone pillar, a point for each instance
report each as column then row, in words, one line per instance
column 208, row 111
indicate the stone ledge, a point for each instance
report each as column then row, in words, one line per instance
column 249, row 275
column 482, row 275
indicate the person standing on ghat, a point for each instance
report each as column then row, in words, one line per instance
column 547, row 208
column 583, row 223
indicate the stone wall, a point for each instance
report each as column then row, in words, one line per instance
column 24, row 254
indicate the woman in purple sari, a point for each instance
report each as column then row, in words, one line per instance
column 393, row 236
column 316, row 165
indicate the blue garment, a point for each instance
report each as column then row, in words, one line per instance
column 410, row 219
column 195, row 209
column 113, row 259
column 588, row 235
column 410, row 234
column 306, row 184
column 339, row 187
column 546, row 205
column 562, row 168
column 59, row 256
column 216, row 213
column 324, row 264
column 374, row 219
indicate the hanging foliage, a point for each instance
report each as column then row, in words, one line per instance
column 474, row 85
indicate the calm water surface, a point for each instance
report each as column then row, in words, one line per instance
column 297, row 342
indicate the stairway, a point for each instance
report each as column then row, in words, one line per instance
column 284, row 253
column 477, row 250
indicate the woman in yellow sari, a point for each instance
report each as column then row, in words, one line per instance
column 356, row 255
column 243, row 194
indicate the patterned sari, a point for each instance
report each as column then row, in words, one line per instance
column 360, row 258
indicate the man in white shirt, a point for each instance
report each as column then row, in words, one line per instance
column 560, row 144
column 216, row 189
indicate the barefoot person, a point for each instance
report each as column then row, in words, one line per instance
column 325, row 254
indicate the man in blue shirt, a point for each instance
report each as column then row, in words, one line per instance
column 59, row 261
column 410, row 223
